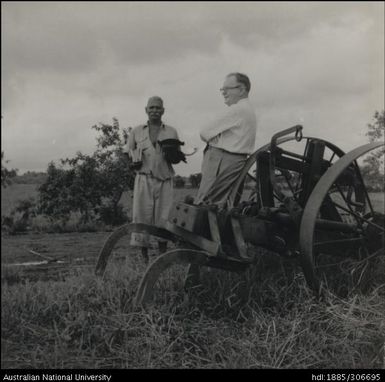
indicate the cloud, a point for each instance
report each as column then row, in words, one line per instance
column 67, row 66
column 73, row 36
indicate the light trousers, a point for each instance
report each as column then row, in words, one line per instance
column 152, row 202
column 220, row 169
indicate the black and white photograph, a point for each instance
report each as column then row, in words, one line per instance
column 191, row 186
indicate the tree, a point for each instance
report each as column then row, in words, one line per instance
column 6, row 175
column 373, row 170
column 90, row 184
column 376, row 130
column 195, row 180
column 54, row 193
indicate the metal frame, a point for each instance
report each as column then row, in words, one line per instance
column 299, row 215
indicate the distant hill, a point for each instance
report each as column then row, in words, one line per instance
column 30, row 177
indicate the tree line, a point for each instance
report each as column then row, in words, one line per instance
column 88, row 184
column 93, row 184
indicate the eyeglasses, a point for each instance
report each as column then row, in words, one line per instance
column 228, row 88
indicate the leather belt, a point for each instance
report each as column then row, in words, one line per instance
column 227, row 152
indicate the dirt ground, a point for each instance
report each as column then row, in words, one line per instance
column 69, row 247
column 49, row 256
column 53, row 256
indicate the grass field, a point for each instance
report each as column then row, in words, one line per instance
column 264, row 318
column 66, row 317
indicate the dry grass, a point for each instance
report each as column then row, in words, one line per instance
column 264, row 318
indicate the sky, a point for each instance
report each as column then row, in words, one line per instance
column 66, row 66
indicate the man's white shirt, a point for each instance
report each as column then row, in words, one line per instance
column 233, row 130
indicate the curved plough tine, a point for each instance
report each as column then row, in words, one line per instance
column 108, row 246
column 193, row 276
column 127, row 229
column 177, row 256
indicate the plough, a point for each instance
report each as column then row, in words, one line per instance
column 311, row 204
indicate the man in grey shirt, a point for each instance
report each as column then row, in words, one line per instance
column 153, row 189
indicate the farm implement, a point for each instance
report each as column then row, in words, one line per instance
column 300, row 197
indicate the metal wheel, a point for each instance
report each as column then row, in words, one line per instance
column 342, row 226
column 121, row 234
column 253, row 185
column 167, row 276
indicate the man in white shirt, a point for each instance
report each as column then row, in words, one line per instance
column 230, row 138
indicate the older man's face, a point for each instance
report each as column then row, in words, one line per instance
column 232, row 91
column 154, row 109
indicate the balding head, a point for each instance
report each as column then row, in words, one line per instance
column 235, row 87
column 155, row 99
column 242, row 79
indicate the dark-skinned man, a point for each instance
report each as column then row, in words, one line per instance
column 153, row 189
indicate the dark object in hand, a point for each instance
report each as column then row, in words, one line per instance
column 189, row 199
column 171, row 150
column 135, row 165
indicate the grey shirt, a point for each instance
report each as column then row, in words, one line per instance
column 154, row 163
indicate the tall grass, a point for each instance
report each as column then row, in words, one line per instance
column 263, row 318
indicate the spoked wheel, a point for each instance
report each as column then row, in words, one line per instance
column 291, row 167
column 118, row 243
column 342, row 227
column 167, row 277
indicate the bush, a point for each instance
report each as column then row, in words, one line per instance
column 112, row 215
column 83, row 183
column 14, row 224
column 25, row 218
column 19, row 219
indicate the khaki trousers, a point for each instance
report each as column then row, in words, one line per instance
column 152, row 202
column 220, row 169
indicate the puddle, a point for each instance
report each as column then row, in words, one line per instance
column 29, row 263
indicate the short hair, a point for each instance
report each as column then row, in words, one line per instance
column 242, row 79
column 157, row 98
